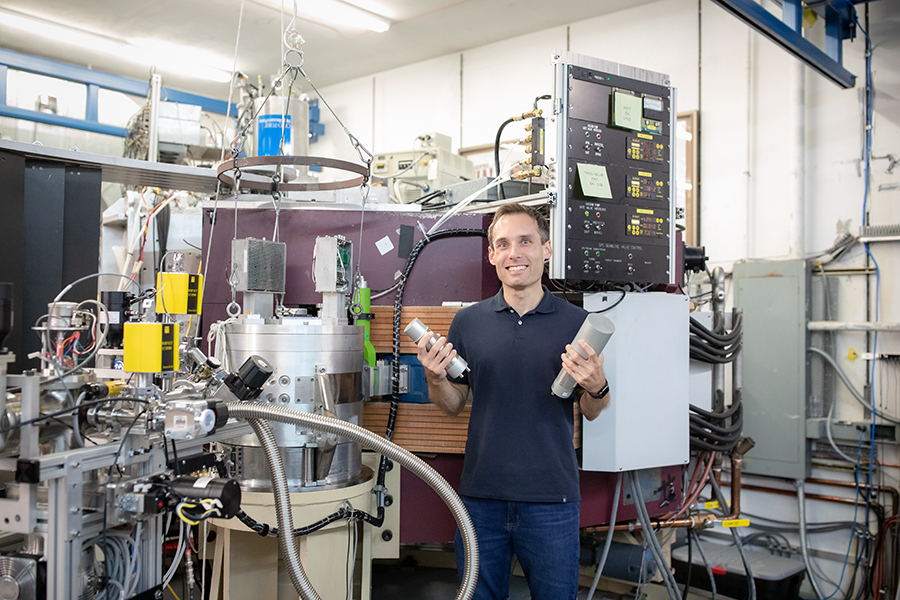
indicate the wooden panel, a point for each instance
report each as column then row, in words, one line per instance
column 424, row 428
column 437, row 318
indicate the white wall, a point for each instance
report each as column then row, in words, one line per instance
column 780, row 149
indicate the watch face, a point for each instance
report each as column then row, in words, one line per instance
column 603, row 391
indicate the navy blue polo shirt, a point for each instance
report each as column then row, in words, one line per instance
column 519, row 446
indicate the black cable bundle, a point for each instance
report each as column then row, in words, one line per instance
column 711, row 347
column 716, row 431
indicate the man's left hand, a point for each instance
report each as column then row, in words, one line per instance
column 588, row 372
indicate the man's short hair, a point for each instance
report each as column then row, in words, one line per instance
column 516, row 208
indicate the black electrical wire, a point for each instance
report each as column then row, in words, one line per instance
column 736, row 331
column 733, row 428
column 703, row 356
column 395, row 349
column 266, row 530
column 712, row 578
column 53, row 415
column 611, row 306
column 723, row 352
column 702, row 433
column 161, row 224
column 497, row 154
column 699, row 444
column 715, row 416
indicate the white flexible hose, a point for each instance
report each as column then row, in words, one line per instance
column 253, row 411
column 182, row 544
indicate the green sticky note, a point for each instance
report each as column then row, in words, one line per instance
column 594, row 181
column 627, row 111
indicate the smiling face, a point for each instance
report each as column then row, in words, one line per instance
column 517, row 251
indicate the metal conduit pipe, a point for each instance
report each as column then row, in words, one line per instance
column 283, row 511
column 248, row 410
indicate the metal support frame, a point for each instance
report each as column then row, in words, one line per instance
column 64, row 523
column 788, row 33
column 94, row 81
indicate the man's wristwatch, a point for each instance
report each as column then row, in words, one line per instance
column 602, row 393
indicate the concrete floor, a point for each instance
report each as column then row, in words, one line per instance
column 434, row 583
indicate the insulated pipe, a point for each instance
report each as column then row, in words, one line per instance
column 804, row 548
column 245, row 410
column 717, row 280
column 852, row 326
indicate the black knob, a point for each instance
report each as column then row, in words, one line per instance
column 247, row 383
column 388, row 500
column 388, row 465
column 255, row 371
column 387, row 535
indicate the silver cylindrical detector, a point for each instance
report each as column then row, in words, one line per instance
column 417, row 329
column 596, row 331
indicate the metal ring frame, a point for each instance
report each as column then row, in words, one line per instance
column 264, row 182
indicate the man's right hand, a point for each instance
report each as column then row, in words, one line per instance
column 437, row 359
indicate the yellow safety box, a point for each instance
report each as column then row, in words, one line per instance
column 179, row 293
column 151, row 347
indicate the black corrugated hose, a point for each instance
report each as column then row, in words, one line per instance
column 395, row 348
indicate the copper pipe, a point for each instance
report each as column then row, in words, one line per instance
column 736, row 464
column 836, row 499
column 883, row 489
column 697, row 521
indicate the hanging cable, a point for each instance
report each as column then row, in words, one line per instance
column 609, row 534
column 650, row 536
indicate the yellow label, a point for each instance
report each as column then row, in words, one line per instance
column 711, row 505
column 645, row 136
column 644, row 211
column 114, row 387
column 645, row 174
column 736, row 523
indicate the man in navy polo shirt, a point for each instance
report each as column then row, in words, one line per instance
column 520, row 475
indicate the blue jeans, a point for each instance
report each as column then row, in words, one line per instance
column 544, row 537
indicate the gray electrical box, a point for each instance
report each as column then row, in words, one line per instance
column 646, row 363
column 773, row 296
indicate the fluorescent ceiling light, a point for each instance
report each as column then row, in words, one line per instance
column 165, row 57
column 337, row 14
